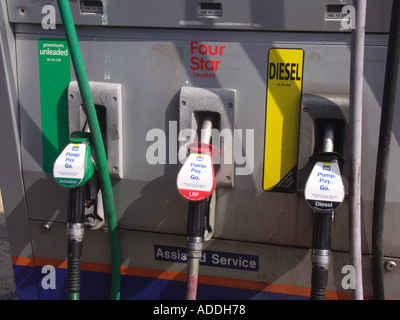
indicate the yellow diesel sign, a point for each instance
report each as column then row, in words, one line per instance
column 284, row 83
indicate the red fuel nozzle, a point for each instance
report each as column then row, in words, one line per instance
column 196, row 179
column 196, row 182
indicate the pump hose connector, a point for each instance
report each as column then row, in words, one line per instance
column 322, row 232
column 74, row 271
column 319, row 281
column 75, row 232
column 195, row 240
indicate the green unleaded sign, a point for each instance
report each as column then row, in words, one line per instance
column 55, row 76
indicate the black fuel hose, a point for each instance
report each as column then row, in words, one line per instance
column 388, row 104
column 196, row 218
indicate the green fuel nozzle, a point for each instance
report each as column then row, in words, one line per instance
column 73, row 167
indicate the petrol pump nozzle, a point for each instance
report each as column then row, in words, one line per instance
column 324, row 189
column 72, row 169
column 196, row 179
column 324, row 192
column 196, row 182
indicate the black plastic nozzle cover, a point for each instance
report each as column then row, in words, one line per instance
column 76, row 205
column 322, row 231
column 196, row 218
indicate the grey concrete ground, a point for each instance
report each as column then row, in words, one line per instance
column 7, row 283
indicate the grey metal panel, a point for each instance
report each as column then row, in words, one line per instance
column 272, row 15
column 11, row 178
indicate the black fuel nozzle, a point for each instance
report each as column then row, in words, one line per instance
column 324, row 192
column 196, row 222
column 324, row 189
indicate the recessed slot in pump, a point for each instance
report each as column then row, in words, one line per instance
column 91, row 7
column 209, row 10
column 102, row 118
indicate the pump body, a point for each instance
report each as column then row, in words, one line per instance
column 254, row 50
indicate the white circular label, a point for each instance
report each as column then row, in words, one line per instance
column 324, row 190
column 196, row 180
column 69, row 167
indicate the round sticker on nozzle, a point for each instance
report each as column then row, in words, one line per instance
column 196, row 179
column 324, row 190
column 73, row 166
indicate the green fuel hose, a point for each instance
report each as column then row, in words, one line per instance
column 98, row 146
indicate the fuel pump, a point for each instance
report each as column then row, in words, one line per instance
column 72, row 169
column 196, row 182
column 324, row 193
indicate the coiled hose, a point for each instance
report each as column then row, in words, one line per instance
column 74, row 270
column 75, row 231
